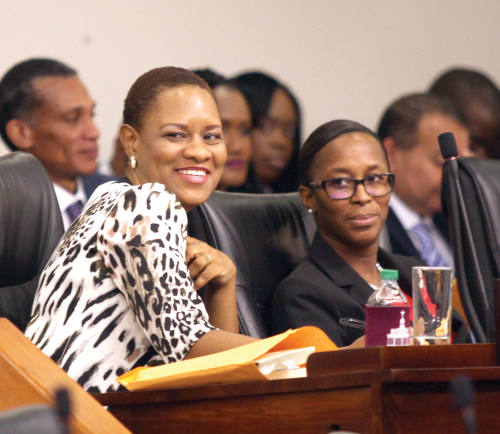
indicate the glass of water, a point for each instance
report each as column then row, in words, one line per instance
column 431, row 305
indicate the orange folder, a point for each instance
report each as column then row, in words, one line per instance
column 234, row 365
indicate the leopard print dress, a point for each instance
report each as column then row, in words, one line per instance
column 116, row 293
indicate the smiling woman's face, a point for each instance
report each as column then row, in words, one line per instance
column 179, row 144
column 354, row 222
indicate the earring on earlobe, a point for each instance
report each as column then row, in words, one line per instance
column 133, row 162
column 310, row 210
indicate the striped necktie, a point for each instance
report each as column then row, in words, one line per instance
column 427, row 249
column 74, row 210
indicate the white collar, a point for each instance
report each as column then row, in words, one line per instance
column 66, row 198
column 408, row 218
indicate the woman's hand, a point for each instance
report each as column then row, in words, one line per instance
column 208, row 265
column 213, row 269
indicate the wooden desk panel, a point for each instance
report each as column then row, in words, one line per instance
column 370, row 400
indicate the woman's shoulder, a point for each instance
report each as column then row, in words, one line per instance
column 304, row 278
column 135, row 194
column 120, row 187
column 137, row 203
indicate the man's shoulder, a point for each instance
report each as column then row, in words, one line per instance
column 91, row 182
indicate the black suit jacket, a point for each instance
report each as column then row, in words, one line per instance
column 91, row 182
column 323, row 288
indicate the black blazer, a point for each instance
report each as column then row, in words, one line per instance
column 323, row 288
column 91, row 182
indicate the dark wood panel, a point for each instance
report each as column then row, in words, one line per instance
column 386, row 398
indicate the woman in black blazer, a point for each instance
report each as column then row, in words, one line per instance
column 346, row 182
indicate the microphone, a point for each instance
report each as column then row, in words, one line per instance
column 63, row 408
column 462, row 390
column 449, row 151
column 448, row 146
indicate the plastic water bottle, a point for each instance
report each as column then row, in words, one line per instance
column 385, row 311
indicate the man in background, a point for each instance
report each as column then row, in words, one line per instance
column 45, row 110
column 409, row 130
column 477, row 99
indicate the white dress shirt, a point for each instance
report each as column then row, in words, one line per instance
column 65, row 199
column 409, row 219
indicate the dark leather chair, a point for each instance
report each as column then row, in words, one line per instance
column 30, row 228
column 265, row 235
column 477, row 254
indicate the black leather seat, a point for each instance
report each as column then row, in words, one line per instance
column 480, row 183
column 30, row 228
column 265, row 235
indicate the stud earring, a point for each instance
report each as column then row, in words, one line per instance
column 310, row 210
column 133, row 162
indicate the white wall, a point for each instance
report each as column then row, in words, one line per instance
column 343, row 58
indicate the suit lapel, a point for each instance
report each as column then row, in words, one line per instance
column 338, row 271
column 401, row 243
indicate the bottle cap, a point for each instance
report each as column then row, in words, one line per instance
column 389, row 274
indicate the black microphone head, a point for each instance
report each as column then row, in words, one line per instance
column 447, row 145
column 462, row 390
column 63, row 404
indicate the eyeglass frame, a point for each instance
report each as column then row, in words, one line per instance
column 316, row 184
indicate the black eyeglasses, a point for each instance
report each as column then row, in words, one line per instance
column 377, row 184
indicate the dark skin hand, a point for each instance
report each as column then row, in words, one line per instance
column 214, row 270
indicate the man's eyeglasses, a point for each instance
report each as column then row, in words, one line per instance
column 375, row 185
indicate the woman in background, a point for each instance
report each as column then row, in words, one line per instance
column 346, row 182
column 276, row 132
column 236, row 124
column 120, row 289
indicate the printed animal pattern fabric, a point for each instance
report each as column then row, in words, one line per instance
column 116, row 293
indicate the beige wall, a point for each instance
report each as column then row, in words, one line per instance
column 343, row 58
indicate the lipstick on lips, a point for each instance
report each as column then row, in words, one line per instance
column 195, row 175
column 277, row 162
column 235, row 163
column 362, row 220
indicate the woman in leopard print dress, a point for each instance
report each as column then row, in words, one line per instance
column 120, row 289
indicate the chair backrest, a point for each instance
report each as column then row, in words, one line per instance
column 30, row 228
column 477, row 264
column 265, row 235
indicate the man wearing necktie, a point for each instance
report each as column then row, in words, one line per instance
column 409, row 129
column 46, row 110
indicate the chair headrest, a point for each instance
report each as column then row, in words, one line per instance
column 30, row 220
column 265, row 235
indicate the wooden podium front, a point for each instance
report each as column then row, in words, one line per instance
column 30, row 377
column 368, row 390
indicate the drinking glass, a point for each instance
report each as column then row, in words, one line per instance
column 431, row 305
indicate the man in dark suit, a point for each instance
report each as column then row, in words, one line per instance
column 45, row 110
column 409, row 130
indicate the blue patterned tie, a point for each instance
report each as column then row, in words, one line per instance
column 74, row 210
column 428, row 251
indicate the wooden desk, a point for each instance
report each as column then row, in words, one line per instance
column 370, row 390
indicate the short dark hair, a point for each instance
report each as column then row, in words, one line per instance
column 323, row 135
column 468, row 89
column 18, row 98
column 258, row 88
column 460, row 85
column 145, row 89
column 401, row 119
column 212, row 77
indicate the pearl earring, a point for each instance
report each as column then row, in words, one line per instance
column 133, row 162
column 310, row 210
